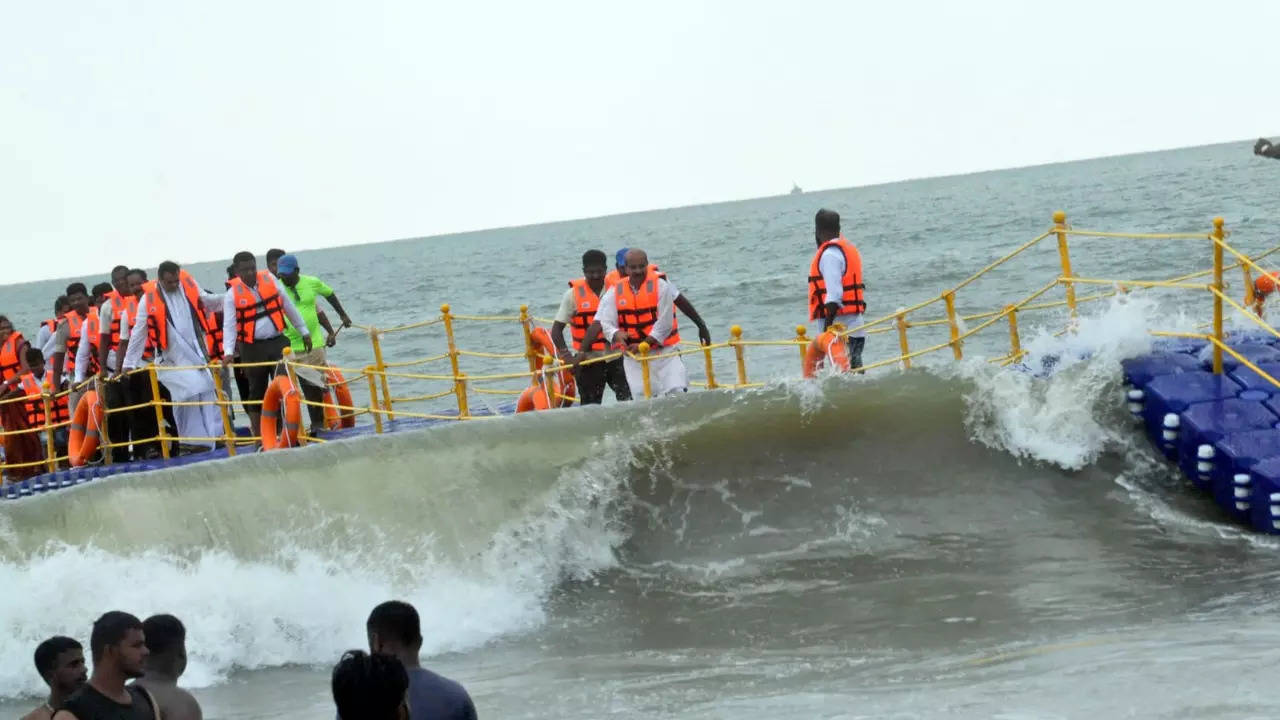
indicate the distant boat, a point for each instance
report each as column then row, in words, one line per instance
column 795, row 189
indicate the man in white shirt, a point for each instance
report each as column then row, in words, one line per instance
column 642, row 309
column 45, row 335
column 253, row 314
column 836, row 285
column 180, row 343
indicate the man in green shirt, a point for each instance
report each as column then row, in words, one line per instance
column 303, row 290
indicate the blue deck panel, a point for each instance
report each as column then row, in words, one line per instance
column 1264, row 498
column 1235, row 455
column 1141, row 370
column 1208, row 422
column 1176, row 392
column 78, row 476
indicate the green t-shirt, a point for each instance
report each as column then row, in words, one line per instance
column 304, row 296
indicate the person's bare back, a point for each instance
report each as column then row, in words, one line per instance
column 175, row 703
column 44, row 712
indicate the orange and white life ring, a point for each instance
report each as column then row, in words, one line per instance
column 281, row 394
column 827, row 349
column 337, row 387
column 86, row 429
column 540, row 396
column 543, row 348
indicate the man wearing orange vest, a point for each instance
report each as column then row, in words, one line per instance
column 253, row 314
column 836, row 285
column 682, row 303
column 578, row 311
column 68, row 336
column 33, row 384
column 640, row 309
column 44, row 336
column 172, row 318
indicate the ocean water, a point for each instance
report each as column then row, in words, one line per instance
column 953, row 541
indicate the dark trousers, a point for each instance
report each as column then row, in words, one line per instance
column 313, row 394
column 855, row 352
column 270, row 350
column 592, row 378
column 119, row 424
column 137, row 389
column 242, row 383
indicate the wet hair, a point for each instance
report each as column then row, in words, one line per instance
column 140, row 273
column 48, row 651
column 62, row 303
column 827, row 221
column 274, row 254
column 165, row 633
column 110, row 629
column 119, row 269
column 242, row 256
column 368, row 687
column 231, row 271
column 396, row 620
column 595, row 258
column 76, row 287
column 168, row 267
column 34, row 356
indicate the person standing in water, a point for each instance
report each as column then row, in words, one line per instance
column 166, row 661
column 119, row 654
column 60, row 662
column 394, row 629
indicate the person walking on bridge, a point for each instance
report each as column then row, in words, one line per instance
column 641, row 309
column 172, row 319
column 253, row 320
column 578, row 310
column 303, row 290
column 836, row 285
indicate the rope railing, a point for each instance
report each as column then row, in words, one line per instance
column 383, row 406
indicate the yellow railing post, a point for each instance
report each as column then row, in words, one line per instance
column 735, row 334
column 161, row 433
column 228, row 430
column 711, row 371
column 50, row 449
column 528, row 338
column 459, row 390
column 949, row 297
column 374, row 410
column 902, row 340
column 802, row 342
column 1218, row 236
column 643, row 351
column 1015, row 342
column 381, row 367
column 1064, row 255
column 305, row 421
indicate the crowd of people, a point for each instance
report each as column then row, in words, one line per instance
column 137, row 665
column 125, row 324
column 611, row 310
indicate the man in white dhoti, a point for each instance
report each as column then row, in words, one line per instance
column 641, row 308
column 173, row 314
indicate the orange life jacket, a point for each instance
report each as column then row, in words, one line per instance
column 10, row 363
column 851, row 298
column 613, row 276
column 158, row 312
column 94, row 331
column 35, row 406
column 638, row 310
column 585, row 303
column 51, row 325
column 74, row 324
column 122, row 308
column 213, row 339
column 249, row 308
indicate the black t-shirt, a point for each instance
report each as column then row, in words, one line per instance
column 89, row 704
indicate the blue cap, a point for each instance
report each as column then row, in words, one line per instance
column 286, row 264
column 621, row 258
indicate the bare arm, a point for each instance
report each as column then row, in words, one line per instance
column 557, row 338
column 337, row 306
column 687, row 308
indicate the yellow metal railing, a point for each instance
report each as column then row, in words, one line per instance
column 383, row 406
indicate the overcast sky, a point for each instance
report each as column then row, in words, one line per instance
column 142, row 130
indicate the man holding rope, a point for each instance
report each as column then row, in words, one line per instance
column 303, row 291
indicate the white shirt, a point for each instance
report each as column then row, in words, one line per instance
column 568, row 308
column 186, row 345
column 84, row 351
column 607, row 313
column 263, row 329
column 832, row 266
